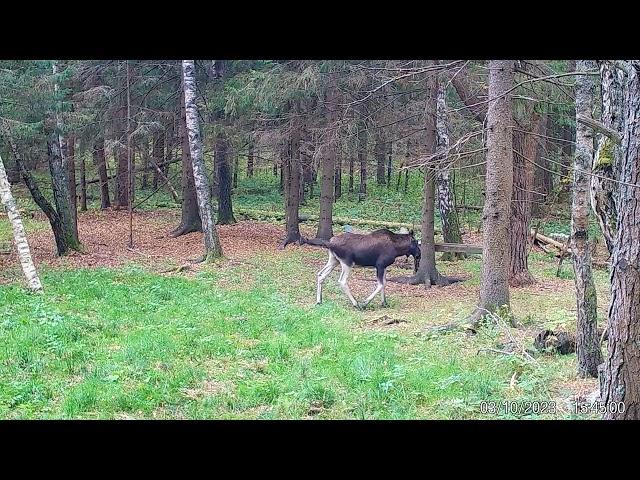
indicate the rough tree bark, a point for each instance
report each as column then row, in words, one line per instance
column 351, row 167
column 100, row 162
column 157, row 155
column 236, row 167
column 587, row 344
column 328, row 166
column 293, row 180
column 380, row 151
column 19, row 234
column 446, row 201
column 603, row 190
column 621, row 370
column 427, row 273
column 71, row 177
column 66, row 236
column 494, row 285
column 144, row 146
column 525, row 148
column 223, row 173
column 120, row 154
column 59, row 181
column 190, row 219
column 362, row 159
column 213, row 248
column 83, row 184
column 389, row 162
column 250, row 159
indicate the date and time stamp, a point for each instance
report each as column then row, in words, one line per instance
column 526, row 408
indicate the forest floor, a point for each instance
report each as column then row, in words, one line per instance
column 126, row 333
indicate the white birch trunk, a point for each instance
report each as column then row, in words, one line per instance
column 446, row 203
column 211, row 241
column 19, row 235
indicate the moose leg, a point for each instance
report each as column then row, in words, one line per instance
column 324, row 273
column 380, row 272
column 344, row 275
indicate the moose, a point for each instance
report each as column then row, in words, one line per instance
column 377, row 249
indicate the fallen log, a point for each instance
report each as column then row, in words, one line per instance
column 550, row 241
column 256, row 214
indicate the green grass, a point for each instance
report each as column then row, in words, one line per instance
column 242, row 342
column 246, row 341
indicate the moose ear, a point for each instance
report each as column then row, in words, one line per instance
column 411, row 232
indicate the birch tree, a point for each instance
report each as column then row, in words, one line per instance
column 19, row 235
column 587, row 346
column 446, row 201
column 213, row 248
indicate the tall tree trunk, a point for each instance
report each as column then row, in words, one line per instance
column 169, row 145
column 157, row 155
column 621, row 371
column 190, row 219
column 223, row 173
column 407, row 161
column 603, row 189
column 59, row 184
column 328, row 166
column 71, row 176
column 100, row 162
column 362, row 158
column 284, row 162
column 543, row 182
column 145, row 164
column 337, row 193
column 83, row 184
column 19, row 234
column 389, row 162
column 293, row 182
column 59, row 181
column 250, row 160
column 427, row 271
column 587, row 345
column 494, row 285
column 351, row 168
column 525, row 152
column 236, row 167
column 120, row 154
column 213, row 248
column 380, row 151
column 446, row 201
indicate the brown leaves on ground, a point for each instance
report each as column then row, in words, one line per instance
column 105, row 236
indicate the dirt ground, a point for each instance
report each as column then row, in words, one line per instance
column 105, row 235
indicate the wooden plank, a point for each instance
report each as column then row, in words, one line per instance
column 458, row 248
